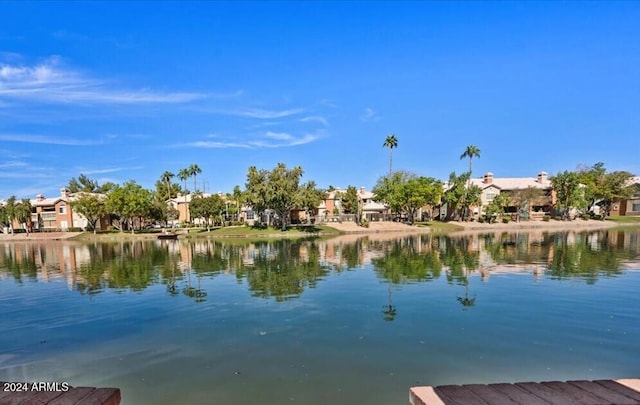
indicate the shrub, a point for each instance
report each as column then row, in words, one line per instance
column 546, row 218
column 506, row 220
column 364, row 223
column 481, row 220
column 586, row 217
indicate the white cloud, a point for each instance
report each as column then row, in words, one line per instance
column 265, row 114
column 51, row 82
column 266, row 140
column 315, row 118
column 369, row 115
column 11, row 164
column 109, row 170
column 48, row 140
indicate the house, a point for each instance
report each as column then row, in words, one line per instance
column 492, row 186
column 630, row 206
column 56, row 213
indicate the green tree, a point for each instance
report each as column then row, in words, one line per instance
column 183, row 175
column 604, row 188
column 166, row 179
column 460, row 196
column 470, row 152
column 83, row 184
column 390, row 142
column 92, row 207
column 8, row 212
column 497, row 205
column 23, row 213
column 128, row 202
column 568, row 191
column 276, row 189
column 350, row 202
column 309, row 197
column 194, row 170
column 207, row 208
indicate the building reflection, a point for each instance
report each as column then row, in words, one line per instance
column 283, row 269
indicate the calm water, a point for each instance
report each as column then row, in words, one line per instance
column 340, row 321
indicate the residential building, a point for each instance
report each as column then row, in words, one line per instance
column 630, row 206
column 492, row 186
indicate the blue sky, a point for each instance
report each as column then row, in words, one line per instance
column 126, row 90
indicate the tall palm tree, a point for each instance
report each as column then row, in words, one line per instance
column 391, row 142
column 166, row 177
column 194, row 170
column 471, row 152
column 183, row 175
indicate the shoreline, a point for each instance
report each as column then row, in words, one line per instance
column 452, row 228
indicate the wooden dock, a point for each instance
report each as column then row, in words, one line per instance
column 601, row 392
column 29, row 395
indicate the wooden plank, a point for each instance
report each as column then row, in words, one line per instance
column 549, row 394
column 584, row 397
column 519, row 395
column 424, row 396
column 73, row 396
column 490, row 395
column 614, row 386
column 612, row 396
column 16, row 398
column 43, row 397
column 459, row 395
column 103, row 396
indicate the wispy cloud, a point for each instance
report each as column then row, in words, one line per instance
column 369, row 115
column 51, row 82
column 110, row 170
column 12, row 164
column 315, row 118
column 266, row 140
column 265, row 114
column 69, row 35
column 48, row 140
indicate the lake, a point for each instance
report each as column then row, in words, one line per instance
column 343, row 320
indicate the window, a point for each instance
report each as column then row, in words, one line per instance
column 635, row 207
column 62, row 209
column 249, row 215
column 491, row 195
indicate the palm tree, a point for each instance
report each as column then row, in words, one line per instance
column 391, row 142
column 166, row 177
column 194, row 170
column 183, row 175
column 471, row 152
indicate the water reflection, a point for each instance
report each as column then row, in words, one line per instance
column 284, row 269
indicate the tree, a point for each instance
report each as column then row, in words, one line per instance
column 92, row 207
column 406, row 193
column 604, row 188
column 497, row 205
column 470, row 152
column 567, row 187
column 166, row 179
column 183, row 175
column 390, row 142
column 23, row 213
column 276, row 189
column 127, row 202
column 207, row 208
column 350, row 202
column 8, row 212
column 460, row 196
column 194, row 170
column 82, row 184
column 309, row 197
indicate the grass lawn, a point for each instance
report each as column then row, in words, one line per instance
column 440, row 227
column 625, row 220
